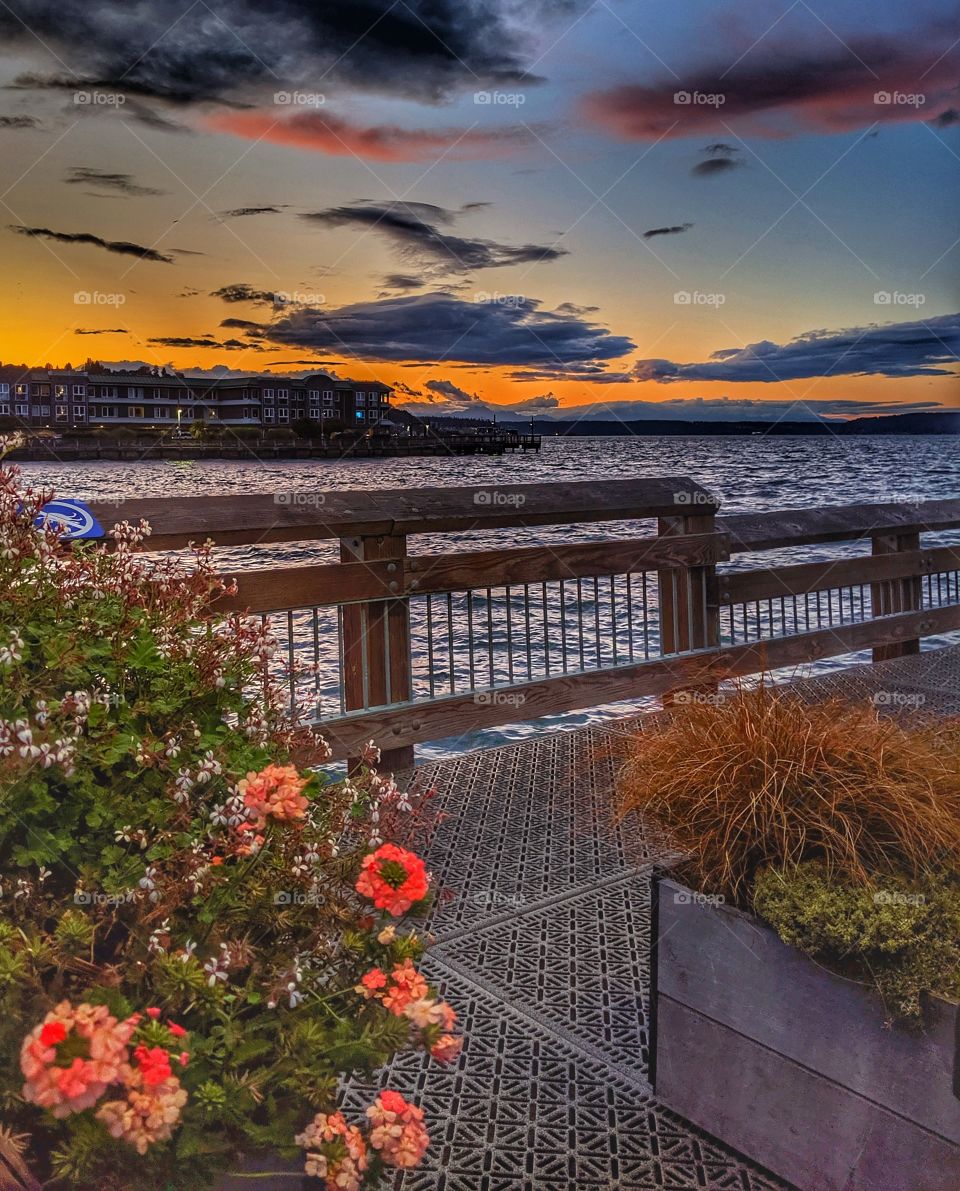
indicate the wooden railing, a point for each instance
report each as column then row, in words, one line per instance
column 406, row 647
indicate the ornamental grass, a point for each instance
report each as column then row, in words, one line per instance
column 758, row 778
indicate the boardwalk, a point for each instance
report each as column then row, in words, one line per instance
column 542, row 944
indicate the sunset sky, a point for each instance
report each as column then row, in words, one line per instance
column 687, row 209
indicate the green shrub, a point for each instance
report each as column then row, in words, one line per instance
column 901, row 936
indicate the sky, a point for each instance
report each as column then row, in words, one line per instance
column 598, row 208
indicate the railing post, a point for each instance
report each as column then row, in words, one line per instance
column 888, row 596
column 376, row 642
column 689, row 617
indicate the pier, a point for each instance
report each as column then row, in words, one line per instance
column 543, row 929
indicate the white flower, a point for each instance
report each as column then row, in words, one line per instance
column 12, row 651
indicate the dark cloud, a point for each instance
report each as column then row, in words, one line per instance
column 80, row 175
column 101, row 331
column 730, row 409
column 667, row 231
column 184, row 52
column 573, row 308
column 241, row 212
column 927, row 347
column 721, row 158
column 946, row 119
column 121, row 247
column 241, row 292
column 204, row 341
column 716, row 165
column 403, row 281
column 785, row 86
column 416, row 229
column 18, row 122
column 439, row 326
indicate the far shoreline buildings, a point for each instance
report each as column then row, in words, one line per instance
column 67, row 399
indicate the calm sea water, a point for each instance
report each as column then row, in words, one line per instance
column 746, row 473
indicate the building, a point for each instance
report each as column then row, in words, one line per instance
column 65, row 399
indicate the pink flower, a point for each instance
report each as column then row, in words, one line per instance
column 397, row 1130
column 102, row 1044
column 406, row 986
column 371, row 982
column 154, row 1063
column 274, row 792
column 393, row 879
column 147, row 1115
column 336, row 1151
column 446, row 1048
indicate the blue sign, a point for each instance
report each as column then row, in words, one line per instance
column 71, row 519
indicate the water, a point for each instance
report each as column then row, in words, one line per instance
column 751, row 473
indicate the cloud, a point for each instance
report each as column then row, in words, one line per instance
column 241, row 292
column 242, row 212
column 204, row 341
column 200, row 52
column 438, row 326
column 722, row 158
column 927, row 347
column 101, row 331
column 324, row 132
column 786, row 87
column 444, row 397
column 946, row 118
column 403, row 281
column 416, row 230
column 123, row 183
column 18, row 122
column 121, row 247
column 667, row 231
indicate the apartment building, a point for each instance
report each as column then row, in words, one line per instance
column 66, row 399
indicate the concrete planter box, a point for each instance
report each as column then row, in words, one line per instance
column 790, row 1064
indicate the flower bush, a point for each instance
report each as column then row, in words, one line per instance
column 191, row 917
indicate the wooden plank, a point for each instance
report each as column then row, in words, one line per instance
column 536, row 564
column 285, row 588
column 456, row 714
column 376, row 644
column 836, row 523
column 728, row 965
column 803, row 1127
column 738, row 587
column 287, row 516
column 895, row 595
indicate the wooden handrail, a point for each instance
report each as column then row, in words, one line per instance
column 418, row 660
column 835, row 523
column 298, row 516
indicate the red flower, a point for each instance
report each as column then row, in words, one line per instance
column 393, row 879
column 52, row 1033
column 175, row 1030
column 154, row 1064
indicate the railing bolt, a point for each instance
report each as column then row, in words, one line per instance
column 391, row 567
column 394, row 586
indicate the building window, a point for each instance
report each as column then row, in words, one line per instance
column 4, row 409
column 79, row 390
column 135, row 411
column 4, row 389
column 61, row 413
column 268, row 415
column 283, row 394
column 21, row 390
column 79, row 413
column 284, row 415
column 22, row 411
column 361, row 399
column 328, row 397
column 60, row 391
column 314, row 396
column 41, row 411
column 42, row 390
column 360, row 415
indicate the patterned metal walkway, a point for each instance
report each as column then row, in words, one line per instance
column 542, row 946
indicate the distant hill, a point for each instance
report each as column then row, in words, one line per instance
column 914, row 423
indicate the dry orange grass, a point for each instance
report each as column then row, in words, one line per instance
column 761, row 778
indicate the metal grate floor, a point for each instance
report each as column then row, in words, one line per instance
column 542, row 946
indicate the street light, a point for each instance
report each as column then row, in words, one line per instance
column 179, row 412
